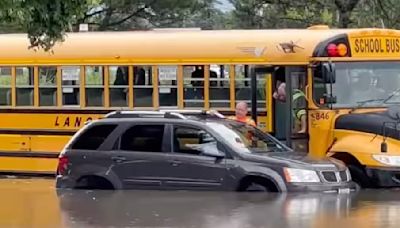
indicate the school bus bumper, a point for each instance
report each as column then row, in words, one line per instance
column 384, row 176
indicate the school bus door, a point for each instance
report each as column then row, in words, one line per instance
column 286, row 123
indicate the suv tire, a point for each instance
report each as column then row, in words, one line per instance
column 256, row 186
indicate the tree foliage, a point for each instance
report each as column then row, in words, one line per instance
column 47, row 21
column 303, row 13
column 144, row 14
column 283, row 13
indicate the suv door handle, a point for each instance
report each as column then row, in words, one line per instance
column 175, row 163
column 118, row 158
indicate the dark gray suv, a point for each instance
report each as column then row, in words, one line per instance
column 190, row 150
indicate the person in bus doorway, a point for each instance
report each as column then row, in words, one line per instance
column 241, row 114
column 298, row 97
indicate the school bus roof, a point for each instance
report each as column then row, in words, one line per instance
column 174, row 46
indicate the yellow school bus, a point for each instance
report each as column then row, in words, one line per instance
column 349, row 78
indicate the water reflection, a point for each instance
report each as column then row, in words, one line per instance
column 35, row 203
column 28, row 203
column 215, row 209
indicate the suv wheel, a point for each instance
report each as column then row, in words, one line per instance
column 257, row 187
column 93, row 182
column 257, row 184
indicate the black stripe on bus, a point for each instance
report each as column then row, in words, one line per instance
column 86, row 111
column 36, row 132
column 55, row 111
column 26, row 174
column 28, row 154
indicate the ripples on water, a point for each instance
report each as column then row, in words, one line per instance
column 35, row 203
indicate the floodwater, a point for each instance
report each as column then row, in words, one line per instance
column 36, row 203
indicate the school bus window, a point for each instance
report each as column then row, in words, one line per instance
column 168, row 92
column 5, row 86
column 70, row 76
column 219, row 86
column 118, row 86
column 243, row 87
column 47, row 86
column 143, row 86
column 364, row 84
column 94, row 86
column 193, row 87
column 261, row 91
column 24, row 86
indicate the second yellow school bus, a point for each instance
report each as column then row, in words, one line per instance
column 349, row 78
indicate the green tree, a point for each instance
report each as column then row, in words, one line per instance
column 205, row 15
column 247, row 13
column 303, row 13
column 295, row 13
column 45, row 21
column 377, row 13
column 145, row 14
column 281, row 13
column 345, row 9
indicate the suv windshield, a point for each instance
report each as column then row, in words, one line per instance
column 362, row 84
column 247, row 139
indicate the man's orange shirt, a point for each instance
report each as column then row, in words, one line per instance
column 246, row 120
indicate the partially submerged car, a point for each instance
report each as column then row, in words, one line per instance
column 190, row 151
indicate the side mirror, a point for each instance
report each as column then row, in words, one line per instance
column 211, row 149
column 329, row 73
column 329, row 99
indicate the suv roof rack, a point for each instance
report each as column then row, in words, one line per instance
column 172, row 114
column 195, row 112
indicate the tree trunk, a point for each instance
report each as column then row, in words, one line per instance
column 345, row 8
column 106, row 20
column 344, row 19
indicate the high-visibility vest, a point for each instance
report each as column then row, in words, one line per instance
column 297, row 94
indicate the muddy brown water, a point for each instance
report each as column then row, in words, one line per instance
column 36, row 203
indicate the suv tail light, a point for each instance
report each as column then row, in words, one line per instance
column 62, row 165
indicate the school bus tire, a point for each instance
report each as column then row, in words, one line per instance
column 357, row 171
column 359, row 176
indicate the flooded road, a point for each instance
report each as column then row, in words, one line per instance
column 36, row 203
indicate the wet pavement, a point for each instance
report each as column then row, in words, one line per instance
column 36, row 203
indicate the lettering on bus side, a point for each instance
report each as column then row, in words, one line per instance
column 377, row 45
column 69, row 121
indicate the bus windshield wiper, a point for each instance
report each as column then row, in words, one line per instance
column 391, row 95
column 384, row 100
column 361, row 103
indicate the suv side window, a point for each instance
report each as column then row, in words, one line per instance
column 190, row 140
column 93, row 137
column 145, row 138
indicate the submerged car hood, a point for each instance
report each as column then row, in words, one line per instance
column 379, row 123
column 300, row 159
